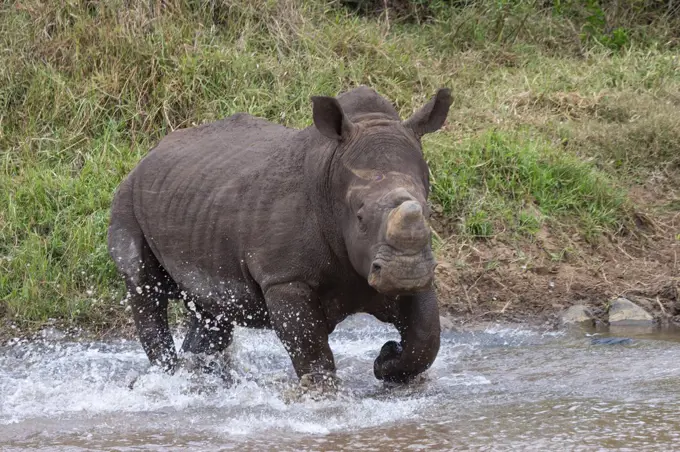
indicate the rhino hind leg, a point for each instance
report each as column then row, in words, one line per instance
column 207, row 335
column 205, row 338
column 149, row 289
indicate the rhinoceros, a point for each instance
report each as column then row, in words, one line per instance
column 259, row 225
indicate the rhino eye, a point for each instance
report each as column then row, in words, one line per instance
column 360, row 218
column 360, row 215
column 361, row 226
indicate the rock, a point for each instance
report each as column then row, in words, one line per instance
column 645, row 303
column 611, row 341
column 623, row 311
column 446, row 324
column 52, row 334
column 577, row 315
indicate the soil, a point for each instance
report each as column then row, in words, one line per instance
column 533, row 281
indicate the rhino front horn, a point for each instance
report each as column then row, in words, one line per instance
column 406, row 227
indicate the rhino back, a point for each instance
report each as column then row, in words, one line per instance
column 217, row 201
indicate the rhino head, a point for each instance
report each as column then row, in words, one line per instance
column 379, row 182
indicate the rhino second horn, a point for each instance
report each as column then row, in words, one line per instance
column 406, row 227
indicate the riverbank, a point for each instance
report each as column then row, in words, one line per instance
column 555, row 179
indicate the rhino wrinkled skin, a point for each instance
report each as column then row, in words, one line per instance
column 264, row 226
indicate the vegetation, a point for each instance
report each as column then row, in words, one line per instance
column 560, row 108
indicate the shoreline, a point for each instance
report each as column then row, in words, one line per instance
column 546, row 322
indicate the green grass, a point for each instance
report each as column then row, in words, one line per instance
column 519, row 181
column 87, row 88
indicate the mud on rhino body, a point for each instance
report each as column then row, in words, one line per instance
column 264, row 226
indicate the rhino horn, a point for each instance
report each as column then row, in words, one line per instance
column 406, row 227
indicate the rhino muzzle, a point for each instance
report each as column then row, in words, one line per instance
column 406, row 263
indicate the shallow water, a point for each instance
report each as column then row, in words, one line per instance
column 498, row 388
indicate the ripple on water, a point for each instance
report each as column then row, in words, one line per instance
column 497, row 387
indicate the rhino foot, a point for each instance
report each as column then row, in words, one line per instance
column 196, row 366
column 314, row 386
column 200, row 364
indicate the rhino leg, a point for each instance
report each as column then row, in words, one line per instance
column 207, row 335
column 149, row 288
column 418, row 323
column 300, row 324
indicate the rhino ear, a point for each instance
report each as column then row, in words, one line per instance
column 329, row 118
column 432, row 115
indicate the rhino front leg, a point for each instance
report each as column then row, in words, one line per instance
column 418, row 324
column 299, row 322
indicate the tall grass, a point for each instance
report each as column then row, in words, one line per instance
column 518, row 181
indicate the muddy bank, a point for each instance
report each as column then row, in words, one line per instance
column 523, row 281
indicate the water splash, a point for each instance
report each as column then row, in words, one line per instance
column 66, row 395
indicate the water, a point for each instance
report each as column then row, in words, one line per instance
column 496, row 388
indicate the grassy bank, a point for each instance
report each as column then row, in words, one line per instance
column 562, row 145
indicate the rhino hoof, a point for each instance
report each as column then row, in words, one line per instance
column 391, row 350
column 324, row 381
column 389, row 353
column 315, row 386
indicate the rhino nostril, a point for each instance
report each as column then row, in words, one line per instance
column 375, row 268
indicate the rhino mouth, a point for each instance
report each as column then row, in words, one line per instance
column 402, row 274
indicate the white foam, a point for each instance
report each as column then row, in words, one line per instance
column 75, row 396
column 44, row 380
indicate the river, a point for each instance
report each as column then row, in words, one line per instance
column 499, row 387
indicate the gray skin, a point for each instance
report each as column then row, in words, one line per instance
column 264, row 226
